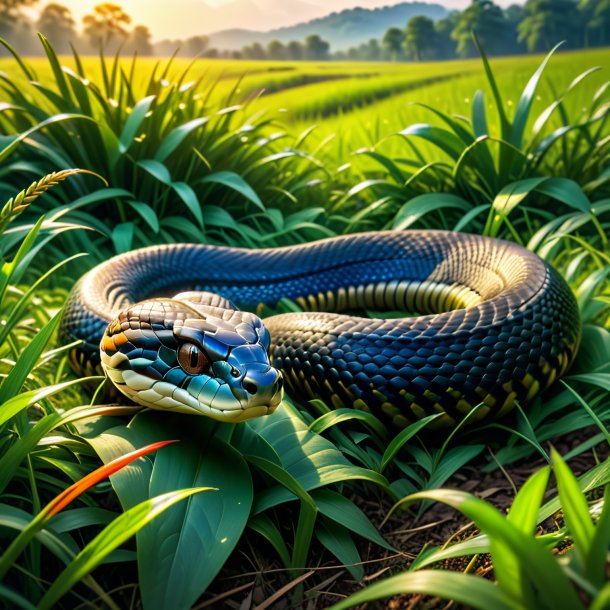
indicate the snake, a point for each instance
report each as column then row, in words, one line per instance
column 458, row 326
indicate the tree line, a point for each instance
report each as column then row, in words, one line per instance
column 534, row 26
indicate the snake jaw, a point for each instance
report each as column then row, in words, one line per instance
column 139, row 354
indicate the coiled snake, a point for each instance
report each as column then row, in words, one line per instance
column 495, row 325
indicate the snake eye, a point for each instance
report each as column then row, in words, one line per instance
column 192, row 358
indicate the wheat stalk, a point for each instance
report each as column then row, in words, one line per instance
column 16, row 205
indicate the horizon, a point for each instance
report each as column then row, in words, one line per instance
column 218, row 15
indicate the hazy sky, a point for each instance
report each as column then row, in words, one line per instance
column 183, row 18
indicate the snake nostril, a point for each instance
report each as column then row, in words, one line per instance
column 250, row 387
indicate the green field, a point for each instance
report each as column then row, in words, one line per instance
column 359, row 104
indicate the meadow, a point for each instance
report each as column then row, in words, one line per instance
column 312, row 504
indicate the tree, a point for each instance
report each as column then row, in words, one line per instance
column 276, row 50
column 57, row 24
column 295, row 50
column 489, row 23
column 106, row 25
column 11, row 16
column 419, row 37
column 547, row 22
column 596, row 18
column 196, row 45
column 316, row 48
column 372, row 50
column 254, row 51
column 445, row 45
column 392, row 43
column 139, row 41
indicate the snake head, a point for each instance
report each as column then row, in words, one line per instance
column 181, row 356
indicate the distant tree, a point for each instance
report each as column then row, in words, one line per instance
column 596, row 19
column 445, row 45
column 106, row 26
column 11, row 15
column 549, row 21
column 57, row 24
column 294, row 50
column 316, row 48
column 139, row 41
column 196, row 45
column 277, row 50
column 419, row 37
column 254, row 51
column 372, row 50
column 392, row 43
column 489, row 23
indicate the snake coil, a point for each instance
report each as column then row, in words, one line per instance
column 495, row 324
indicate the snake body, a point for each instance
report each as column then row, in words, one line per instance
column 495, row 324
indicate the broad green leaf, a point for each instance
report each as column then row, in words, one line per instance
column 122, row 237
column 180, row 553
column 111, row 537
column 311, row 459
column 265, row 526
column 472, row 591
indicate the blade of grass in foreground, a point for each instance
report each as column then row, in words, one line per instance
column 64, row 498
column 463, row 588
column 112, row 536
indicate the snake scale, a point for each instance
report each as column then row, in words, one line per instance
column 493, row 324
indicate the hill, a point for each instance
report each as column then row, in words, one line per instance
column 342, row 29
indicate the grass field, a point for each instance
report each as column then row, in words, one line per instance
column 359, row 104
column 311, row 504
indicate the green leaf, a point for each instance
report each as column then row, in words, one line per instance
column 134, row 123
column 535, row 562
column 524, row 509
column 147, row 213
column 236, row 183
column 122, row 237
column 173, row 140
column 188, row 196
column 180, row 553
column 575, row 508
column 111, row 537
column 403, row 437
column 267, row 528
column 311, row 459
column 598, row 552
column 525, row 102
column 448, row 142
column 463, row 588
column 424, row 204
column 343, row 511
column 338, row 541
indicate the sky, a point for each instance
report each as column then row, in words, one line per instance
column 184, row 18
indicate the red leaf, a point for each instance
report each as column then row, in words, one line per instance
column 99, row 474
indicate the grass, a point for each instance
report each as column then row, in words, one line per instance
column 194, row 154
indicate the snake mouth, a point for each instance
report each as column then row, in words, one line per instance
column 222, row 404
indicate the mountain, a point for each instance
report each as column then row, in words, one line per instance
column 342, row 30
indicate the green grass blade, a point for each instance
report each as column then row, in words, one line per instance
column 575, row 508
column 524, row 509
column 525, row 102
column 111, row 537
column 462, row 588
